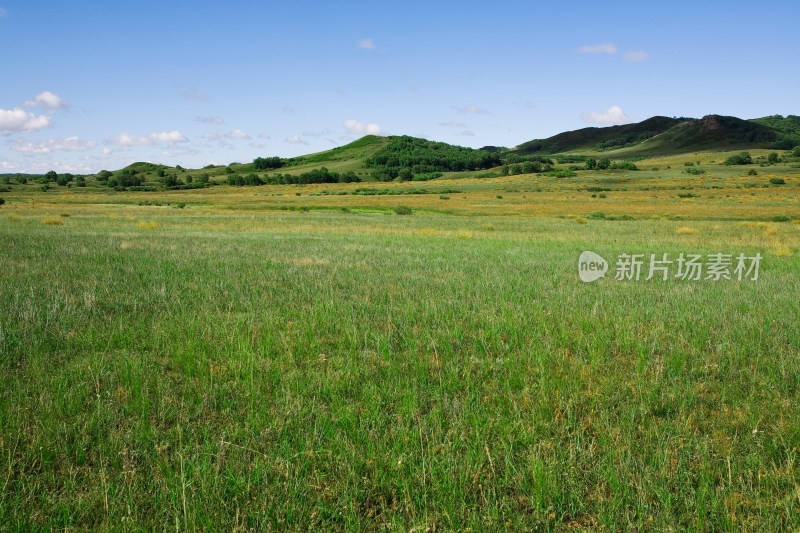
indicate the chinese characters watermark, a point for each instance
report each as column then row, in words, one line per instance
column 684, row 267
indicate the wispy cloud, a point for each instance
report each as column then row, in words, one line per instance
column 636, row 57
column 361, row 128
column 471, row 108
column 69, row 144
column 466, row 133
column 234, row 135
column 295, row 139
column 366, row 44
column 188, row 93
column 316, row 134
column 287, row 109
column 18, row 120
column 613, row 116
column 3, row 13
column 605, row 48
column 453, row 124
column 210, row 119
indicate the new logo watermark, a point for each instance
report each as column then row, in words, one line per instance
column 684, row 267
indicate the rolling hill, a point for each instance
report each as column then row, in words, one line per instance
column 667, row 136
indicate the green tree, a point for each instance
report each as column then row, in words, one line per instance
column 604, row 164
column 773, row 158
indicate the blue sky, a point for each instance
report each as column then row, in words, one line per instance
column 92, row 85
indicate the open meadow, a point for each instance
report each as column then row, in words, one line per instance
column 401, row 356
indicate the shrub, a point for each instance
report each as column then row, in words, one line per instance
column 695, row 171
column 781, row 218
column 402, row 210
column 777, row 181
column 752, row 172
column 773, row 158
column 688, row 195
column 22, row 180
column 742, row 158
column 598, row 215
column 2, row 201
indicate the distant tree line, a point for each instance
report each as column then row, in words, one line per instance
column 320, row 175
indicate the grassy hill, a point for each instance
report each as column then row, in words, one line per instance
column 666, row 136
column 598, row 139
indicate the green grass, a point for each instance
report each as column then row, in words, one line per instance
column 205, row 369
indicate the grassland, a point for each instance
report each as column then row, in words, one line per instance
column 303, row 358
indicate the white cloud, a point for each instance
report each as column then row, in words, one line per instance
column 636, row 57
column 613, row 116
column 453, row 124
column 69, row 144
column 42, row 166
column 361, row 128
column 3, row 13
column 126, row 140
column 168, row 137
column 472, row 108
column 18, row 120
column 46, row 100
column 236, row 135
column 164, row 137
column 366, row 44
column 466, row 133
column 295, row 139
column 210, row 119
column 605, row 48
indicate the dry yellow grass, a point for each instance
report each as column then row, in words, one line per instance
column 150, row 225
column 686, row 230
column 52, row 221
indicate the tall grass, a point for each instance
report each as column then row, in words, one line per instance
column 328, row 370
